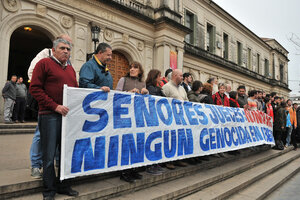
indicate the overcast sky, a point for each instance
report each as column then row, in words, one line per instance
column 276, row 19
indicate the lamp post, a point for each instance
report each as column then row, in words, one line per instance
column 95, row 35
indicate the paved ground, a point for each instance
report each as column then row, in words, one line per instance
column 289, row 191
column 14, row 151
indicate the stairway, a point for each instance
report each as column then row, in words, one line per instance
column 17, row 128
column 234, row 177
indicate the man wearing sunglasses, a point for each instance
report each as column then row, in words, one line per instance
column 47, row 83
column 94, row 73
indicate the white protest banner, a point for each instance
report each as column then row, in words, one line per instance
column 106, row 132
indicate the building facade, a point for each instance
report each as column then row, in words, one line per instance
column 197, row 35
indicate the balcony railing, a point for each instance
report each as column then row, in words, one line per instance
column 196, row 51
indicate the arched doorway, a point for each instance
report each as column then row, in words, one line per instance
column 118, row 67
column 24, row 46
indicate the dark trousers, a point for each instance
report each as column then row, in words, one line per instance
column 293, row 138
column 50, row 128
column 278, row 138
column 19, row 109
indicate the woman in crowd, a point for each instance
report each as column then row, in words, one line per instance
column 132, row 82
column 152, row 83
column 194, row 94
column 219, row 98
column 233, row 101
column 206, row 94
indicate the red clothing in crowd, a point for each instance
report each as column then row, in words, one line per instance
column 163, row 81
column 234, row 103
column 48, row 81
column 270, row 111
column 218, row 101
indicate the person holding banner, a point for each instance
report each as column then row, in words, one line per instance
column 207, row 94
column 153, row 80
column 219, row 97
column 35, row 149
column 174, row 90
column 243, row 98
column 233, row 101
column 132, row 82
column 47, row 83
column 194, row 94
column 94, row 73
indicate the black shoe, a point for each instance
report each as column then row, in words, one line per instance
column 136, row 175
column 68, row 191
column 127, row 177
column 295, row 148
column 48, row 198
column 205, row 158
column 192, row 161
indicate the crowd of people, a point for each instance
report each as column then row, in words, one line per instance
column 51, row 69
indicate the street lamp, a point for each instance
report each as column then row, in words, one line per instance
column 95, row 35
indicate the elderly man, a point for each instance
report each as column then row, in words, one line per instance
column 228, row 90
column 174, row 90
column 35, row 149
column 94, row 73
column 48, row 78
column 9, row 94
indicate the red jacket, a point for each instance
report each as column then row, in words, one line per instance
column 218, row 101
column 48, row 81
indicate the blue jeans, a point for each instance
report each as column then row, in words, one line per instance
column 35, row 150
column 288, row 135
column 50, row 128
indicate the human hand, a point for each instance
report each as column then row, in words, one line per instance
column 134, row 90
column 144, row 91
column 105, row 89
column 63, row 110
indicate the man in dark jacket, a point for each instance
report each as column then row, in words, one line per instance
column 280, row 124
column 242, row 97
column 94, row 73
column 187, row 81
column 9, row 94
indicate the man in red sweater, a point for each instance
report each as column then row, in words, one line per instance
column 48, row 79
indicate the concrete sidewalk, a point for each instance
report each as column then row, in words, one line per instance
column 14, row 158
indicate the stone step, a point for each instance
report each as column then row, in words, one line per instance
column 262, row 188
column 228, row 187
column 222, row 167
column 17, row 131
column 215, row 183
column 18, row 125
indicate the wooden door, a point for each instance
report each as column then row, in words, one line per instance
column 118, row 67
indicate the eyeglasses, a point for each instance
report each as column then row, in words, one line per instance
column 63, row 48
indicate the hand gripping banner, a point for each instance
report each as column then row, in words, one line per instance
column 113, row 131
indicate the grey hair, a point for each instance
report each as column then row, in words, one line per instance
column 60, row 40
column 221, row 84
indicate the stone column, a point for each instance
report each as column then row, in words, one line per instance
column 180, row 58
column 162, row 57
column 80, row 44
